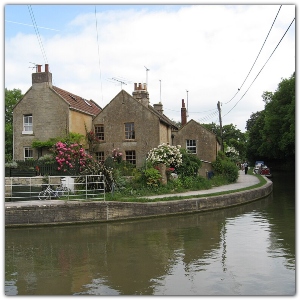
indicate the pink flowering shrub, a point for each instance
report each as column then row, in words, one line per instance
column 70, row 156
column 117, row 155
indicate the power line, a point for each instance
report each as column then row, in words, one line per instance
column 261, row 69
column 31, row 25
column 98, row 54
column 256, row 57
column 37, row 33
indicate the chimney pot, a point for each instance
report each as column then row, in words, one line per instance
column 46, row 68
column 39, row 67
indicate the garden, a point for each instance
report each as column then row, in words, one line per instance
column 167, row 170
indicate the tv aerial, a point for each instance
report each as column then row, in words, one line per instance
column 119, row 80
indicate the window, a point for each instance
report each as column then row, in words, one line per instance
column 191, row 146
column 129, row 131
column 27, row 124
column 28, row 153
column 99, row 131
column 130, row 156
column 100, row 156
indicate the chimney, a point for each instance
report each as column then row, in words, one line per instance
column 141, row 94
column 159, row 108
column 42, row 77
column 183, row 113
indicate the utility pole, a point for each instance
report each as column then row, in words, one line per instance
column 221, row 129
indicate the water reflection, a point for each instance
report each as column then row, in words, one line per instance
column 244, row 250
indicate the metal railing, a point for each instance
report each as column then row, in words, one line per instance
column 84, row 187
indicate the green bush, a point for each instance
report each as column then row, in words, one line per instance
column 190, row 164
column 225, row 167
column 152, row 177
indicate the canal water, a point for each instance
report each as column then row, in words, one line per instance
column 245, row 250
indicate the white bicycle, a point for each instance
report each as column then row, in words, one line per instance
column 49, row 193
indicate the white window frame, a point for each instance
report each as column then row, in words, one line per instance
column 191, row 146
column 30, row 151
column 129, row 131
column 27, row 124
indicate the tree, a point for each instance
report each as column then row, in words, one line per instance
column 279, row 129
column 254, row 128
column 232, row 137
column 12, row 97
column 272, row 131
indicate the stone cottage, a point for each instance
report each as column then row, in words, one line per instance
column 45, row 112
column 131, row 125
column 197, row 140
column 128, row 123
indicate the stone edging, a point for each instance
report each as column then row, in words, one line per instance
column 88, row 212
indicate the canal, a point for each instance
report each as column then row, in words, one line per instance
column 245, row 250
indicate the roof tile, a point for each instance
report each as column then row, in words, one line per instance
column 77, row 102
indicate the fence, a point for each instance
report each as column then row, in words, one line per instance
column 85, row 187
column 29, row 168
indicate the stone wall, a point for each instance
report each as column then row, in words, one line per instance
column 86, row 212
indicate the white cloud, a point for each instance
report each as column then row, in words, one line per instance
column 205, row 49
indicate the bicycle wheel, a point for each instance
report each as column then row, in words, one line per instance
column 44, row 195
column 59, row 191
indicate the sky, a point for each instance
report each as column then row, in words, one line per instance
column 201, row 53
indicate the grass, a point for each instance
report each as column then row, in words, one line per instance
column 141, row 195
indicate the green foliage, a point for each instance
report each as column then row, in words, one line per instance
column 190, row 164
column 152, row 177
column 71, row 138
column 12, row 97
column 96, row 168
column 225, row 167
column 47, row 159
column 272, row 131
column 232, row 137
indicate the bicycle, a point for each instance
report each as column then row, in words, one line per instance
column 49, row 193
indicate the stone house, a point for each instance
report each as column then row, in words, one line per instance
column 132, row 126
column 45, row 112
column 198, row 140
column 128, row 124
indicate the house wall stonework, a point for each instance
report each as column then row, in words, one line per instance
column 49, row 118
column 148, row 128
column 79, row 123
column 206, row 143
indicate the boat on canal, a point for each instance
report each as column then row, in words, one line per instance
column 262, row 169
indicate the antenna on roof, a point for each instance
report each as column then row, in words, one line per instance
column 147, row 76
column 121, row 81
column 35, row 66
column 159, row 90
column 187, row 103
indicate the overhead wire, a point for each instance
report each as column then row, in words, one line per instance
column 261, row 69
column 37, row 33
column 256, row 57
column 98, row 53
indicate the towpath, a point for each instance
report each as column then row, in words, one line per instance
column 242, row 182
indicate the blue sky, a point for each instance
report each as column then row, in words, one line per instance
column 200, row 53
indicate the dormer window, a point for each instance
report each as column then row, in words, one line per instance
column 27, row 124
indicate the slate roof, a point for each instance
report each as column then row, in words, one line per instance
column 78, row 103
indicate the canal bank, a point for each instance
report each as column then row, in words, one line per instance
column 59, row 212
